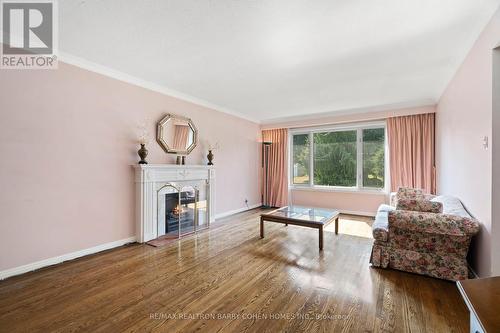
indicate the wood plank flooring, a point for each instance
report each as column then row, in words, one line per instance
column 227, row 279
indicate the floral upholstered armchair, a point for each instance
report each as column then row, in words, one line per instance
column 423, row 234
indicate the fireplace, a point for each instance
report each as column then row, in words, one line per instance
column 173, row 200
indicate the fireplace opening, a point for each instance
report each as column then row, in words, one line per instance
column 180, row 213
column 182, row 209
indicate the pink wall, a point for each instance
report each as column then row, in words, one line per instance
column 464, row 117
column 495, row 146
column 348, row 202
column 68, row 138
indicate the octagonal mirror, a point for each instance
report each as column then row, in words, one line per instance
column 176, row 134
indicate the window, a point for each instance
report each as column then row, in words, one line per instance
column 301, row 159
column 373, row 157
column 345, row 157
column 335, row 158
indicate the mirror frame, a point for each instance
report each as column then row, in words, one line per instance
column 164, row 145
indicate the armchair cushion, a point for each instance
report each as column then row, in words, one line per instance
column 420, row 205
column 410, row 193
column 407, row 193
column 431, row 223
column 439, row 234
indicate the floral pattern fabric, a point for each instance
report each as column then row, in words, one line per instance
column 410, row 193
column 420, row 205
column 407, row 193
column 432, row 244
column 448, row 267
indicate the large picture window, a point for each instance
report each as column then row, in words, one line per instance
column 345, row 157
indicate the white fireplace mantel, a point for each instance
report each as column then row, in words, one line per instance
column 148, row 177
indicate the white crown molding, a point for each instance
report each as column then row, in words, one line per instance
column 346, row 112
column 65, row 257
column 118, row 75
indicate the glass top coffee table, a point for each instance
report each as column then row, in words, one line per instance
column 303, row 216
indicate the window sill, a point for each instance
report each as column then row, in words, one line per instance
column 338, row 190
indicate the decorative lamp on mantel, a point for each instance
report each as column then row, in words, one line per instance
column 266, row 145
column 143, row 140
column 210, row 155
column 143, row 153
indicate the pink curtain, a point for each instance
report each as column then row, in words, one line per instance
column 181, row 137
column 412, row 152
column 277, row 180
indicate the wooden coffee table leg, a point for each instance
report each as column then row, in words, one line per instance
column 336, row 226
column 321, row 238
column 261, row 227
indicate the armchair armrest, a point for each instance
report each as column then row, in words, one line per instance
column 432, row 223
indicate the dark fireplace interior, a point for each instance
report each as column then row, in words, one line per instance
column 175, row 213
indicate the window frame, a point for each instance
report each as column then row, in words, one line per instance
column 358, row 127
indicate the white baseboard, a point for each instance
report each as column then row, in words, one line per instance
column 236, row 211
column 69, row 256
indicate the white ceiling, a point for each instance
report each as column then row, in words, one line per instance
column 269, row 59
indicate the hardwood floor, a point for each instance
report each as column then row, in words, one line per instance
column 228, row 279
